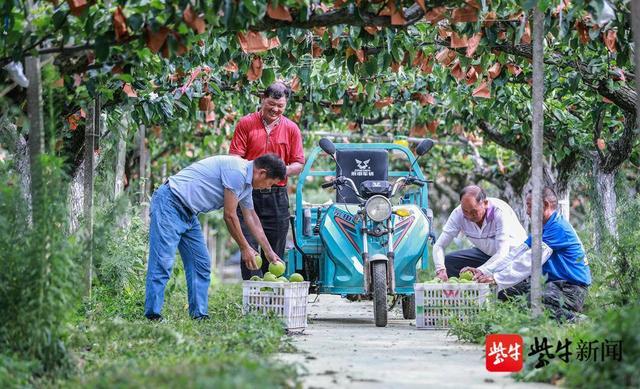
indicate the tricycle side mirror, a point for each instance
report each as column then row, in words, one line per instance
column 424, row 147
column 328, row 147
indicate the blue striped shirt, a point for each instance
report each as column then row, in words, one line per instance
column 568, row 261
column 200, row 186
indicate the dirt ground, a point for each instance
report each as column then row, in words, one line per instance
column 342, row 348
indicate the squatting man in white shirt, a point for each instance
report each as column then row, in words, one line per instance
column 489, row 223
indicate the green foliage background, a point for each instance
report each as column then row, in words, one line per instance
column 54, row 335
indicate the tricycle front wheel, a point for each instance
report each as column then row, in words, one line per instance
column 379, row 278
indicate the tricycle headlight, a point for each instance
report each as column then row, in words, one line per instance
column 378, row 208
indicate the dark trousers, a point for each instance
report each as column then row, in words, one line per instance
column 457, row 260
column 561, row 297
column 272, row 207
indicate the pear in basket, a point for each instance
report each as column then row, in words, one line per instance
column 467, row 275
column 296, row 277
column 277, row 269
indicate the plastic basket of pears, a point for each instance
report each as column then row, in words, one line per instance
column 438, row 302
column 276, row 295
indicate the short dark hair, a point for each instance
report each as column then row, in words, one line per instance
column 474, row 190
column 272, row 163
column 548, row 195
column 277, row 90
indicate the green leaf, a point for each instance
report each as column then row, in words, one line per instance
column 102, row 49
column 135, row 22
column 125, row 77
column 180, row 105
column 268, row 77
column 59, row 18
column 371, row 91
column 305, row 75
column 251, row 6
column 167, row 108
column 215, row 88
column 371, row 66
column 147, row 112
column 386, row 61
column 544, row 5
column 397, row 53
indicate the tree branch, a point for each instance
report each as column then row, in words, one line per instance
column 522, row 149
column 623, row 96
column 345, row 15
column 66, row 50
column 619, row 150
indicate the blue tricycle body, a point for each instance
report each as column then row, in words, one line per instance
column 340, row 245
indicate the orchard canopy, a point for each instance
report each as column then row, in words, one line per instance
column 455, row 71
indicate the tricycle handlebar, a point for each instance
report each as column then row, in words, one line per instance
column 409, row 180
column 342, row 180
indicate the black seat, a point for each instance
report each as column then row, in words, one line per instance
column 360, row 165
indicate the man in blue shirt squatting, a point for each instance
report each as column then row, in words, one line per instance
column 564, row 264
column 216, row 182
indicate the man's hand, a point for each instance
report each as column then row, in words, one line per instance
column 485, row 279
column 248, row 257
column 273, row 257
column 294, row 169
column 476, row 272
column 442, row 274
column 253, row 222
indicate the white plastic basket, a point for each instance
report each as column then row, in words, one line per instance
column 287, row 300
column 436, row 304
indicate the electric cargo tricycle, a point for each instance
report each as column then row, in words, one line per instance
column 368, row 242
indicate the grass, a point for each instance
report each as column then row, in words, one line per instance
column 513, row 317
column 114, row 346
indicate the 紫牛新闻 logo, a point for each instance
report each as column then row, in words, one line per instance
column 503, row 352
column 363, row 169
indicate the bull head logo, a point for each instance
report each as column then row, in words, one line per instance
column 363, row 165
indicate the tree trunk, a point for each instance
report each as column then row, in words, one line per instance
column 220, row 251
column 121, row 155
column 76, row 198
column 635, row 26
column 564, row 206
column 144, row 203
column 36, row 134
column 19, row 147
column 605, row 203
column 76, row 193
column 163, row 172
column 537, row 161
column 213, row 250
column 517, row 198
column 92, row 136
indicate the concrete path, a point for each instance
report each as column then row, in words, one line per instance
column 342, row 348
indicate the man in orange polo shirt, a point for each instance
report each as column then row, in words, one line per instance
column 259, row 133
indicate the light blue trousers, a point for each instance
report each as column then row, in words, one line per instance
column 173, row 226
